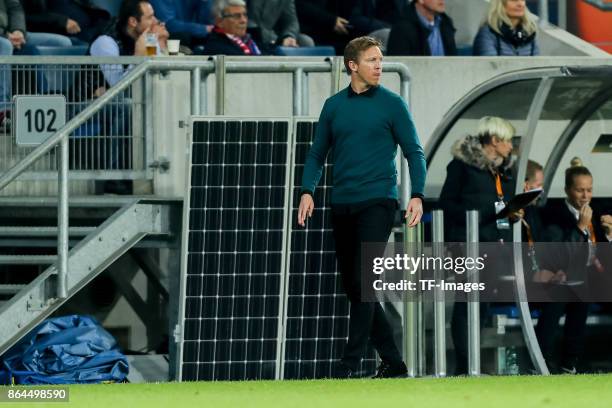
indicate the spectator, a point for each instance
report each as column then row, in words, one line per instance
column 15, row 39
column 78, row 19
column 425, row 30
column 188, row 20
column 573, row 222
column 478, row 178
column 127, row 37
column 375, row 17
column 510, row 30
column 277, row 23
column 229, row 36
column 326, row 21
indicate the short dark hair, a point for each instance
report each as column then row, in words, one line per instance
column 356, row 46
column 129, row 8
column 532, row 168
column 576, row 169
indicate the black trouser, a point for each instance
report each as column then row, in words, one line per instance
column 573, row 332
column 367, row 319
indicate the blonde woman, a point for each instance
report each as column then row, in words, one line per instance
column 510, row 29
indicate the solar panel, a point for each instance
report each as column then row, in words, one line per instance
column 317, row 308
column 262, row 298
column 236, row 219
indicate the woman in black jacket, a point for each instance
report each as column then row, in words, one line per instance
column 576, row 260
column 478, row 178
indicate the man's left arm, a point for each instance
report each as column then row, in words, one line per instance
column 287, row 24
column 406, row 136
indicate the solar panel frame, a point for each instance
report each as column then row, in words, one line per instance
column 191, row 369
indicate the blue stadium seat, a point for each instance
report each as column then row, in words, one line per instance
column 112, row 6
column 74, row 50
column 318, row 51
column 465, row 50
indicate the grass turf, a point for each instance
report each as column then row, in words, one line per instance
column 497, row 392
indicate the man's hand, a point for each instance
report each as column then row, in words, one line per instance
column 606, row 223
column 306, row 209
column 140, row 46
column 341, row 26
column 517, row 215
column 414, row 212
column 162, row 35
column 16, row 38
column 72, row 27
column 289, row 42
column 585, row 216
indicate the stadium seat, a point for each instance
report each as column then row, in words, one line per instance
column 318, row 51
column 112, row 6
column 74, row 50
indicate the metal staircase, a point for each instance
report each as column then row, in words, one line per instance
column 93, row 249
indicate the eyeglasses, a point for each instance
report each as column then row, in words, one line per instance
column 236, row 16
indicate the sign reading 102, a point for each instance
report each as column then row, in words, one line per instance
column 37, row 117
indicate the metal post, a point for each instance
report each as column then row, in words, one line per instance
column 411, row 316
column 196, row 78
column 305, row 94
column 562, row 14
column 473, row 305
column 62, row 221
column 204, row 93
column 336, row 73
column 543, row 12
column 220, row 70
column 297, row 91
column 439, row 299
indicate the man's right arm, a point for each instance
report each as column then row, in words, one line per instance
column 105, row 46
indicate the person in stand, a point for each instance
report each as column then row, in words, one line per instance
column 510, row 30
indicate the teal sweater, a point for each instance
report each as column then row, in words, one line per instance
column 362, row 132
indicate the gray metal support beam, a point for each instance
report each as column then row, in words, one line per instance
column 412, row 319
column 90, row 257
column 473, row 306
column 439, row 296
column 220, row 70
column 520, row 289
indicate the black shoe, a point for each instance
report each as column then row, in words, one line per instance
column 387, row 370
column 569, row 366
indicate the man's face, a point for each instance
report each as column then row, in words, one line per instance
column 147, row 20
column 434, row 6
column 234, row 20
column 581, row 191
column 537, row 181
column 369, row 66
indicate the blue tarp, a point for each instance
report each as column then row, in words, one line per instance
column 64, row 350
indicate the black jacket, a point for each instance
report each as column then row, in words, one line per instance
column 569, row 251
column 319, row 16
column 409, row 37
column 41, row 17
column 470, row 185
column 219, row 44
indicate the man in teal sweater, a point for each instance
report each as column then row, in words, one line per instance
column 362, row 126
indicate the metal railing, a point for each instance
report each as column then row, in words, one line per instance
column 111, row 140
column 141, row 69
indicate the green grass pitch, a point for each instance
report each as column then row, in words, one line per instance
column 583, row 391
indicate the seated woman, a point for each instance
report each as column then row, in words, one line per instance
column 572, row 222
column 510, row 29
column 478, row 178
